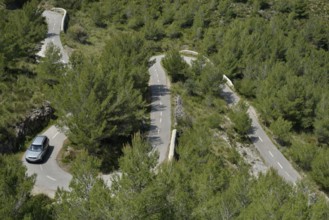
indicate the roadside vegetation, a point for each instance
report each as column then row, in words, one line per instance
column 274, row 51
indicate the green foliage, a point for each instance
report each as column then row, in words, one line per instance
column 78, row 33
column 50, row 68
column 320, row 168
column 175, row 66
column 303, row 154
column 321, row 123
column 153, row 31
column 39, row 207
column 133, row 189
column 240, row 118
column 89, row 198
column 96, row 105
column 281, row 129
column 22, row 29
column 15, row 188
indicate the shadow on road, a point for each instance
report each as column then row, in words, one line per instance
column 158, row 107
column 159, row 90
column 155, row 140
column 228, row 96
column 51, row 35
column 47, row 155
column 254, row 139
column 252, row 130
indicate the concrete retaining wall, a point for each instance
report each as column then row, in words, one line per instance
column 172, row 145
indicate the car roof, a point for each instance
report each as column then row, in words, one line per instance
column 38, row 140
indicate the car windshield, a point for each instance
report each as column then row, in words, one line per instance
column 36, row 148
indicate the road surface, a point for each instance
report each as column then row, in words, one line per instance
column 160, row 129
column 54, row 21
column 49, row 174
column 268, row 151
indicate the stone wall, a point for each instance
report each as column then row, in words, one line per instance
column 33, row 123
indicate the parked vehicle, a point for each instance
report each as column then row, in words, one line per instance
column 38, row 149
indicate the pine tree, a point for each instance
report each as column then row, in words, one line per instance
column 15, row 187
column 89, row 198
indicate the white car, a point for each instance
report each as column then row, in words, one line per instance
column 38, row 149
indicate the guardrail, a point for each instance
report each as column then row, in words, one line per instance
column 172, row 145
column 64, row 17
column 194, row 53
column 173, row 134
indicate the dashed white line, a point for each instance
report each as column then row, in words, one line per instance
column 260, row 139
column 271, row 153
column 160, row 113
column 287, row 174
column 280, row 165
column 158, row 81
column 49, row 177
column 158, row 130
column 160, row 120
column 55, row 135
column 160, row 103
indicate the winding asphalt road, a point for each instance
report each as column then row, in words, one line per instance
column 160, row 129
column 268, row 151
column 49, row 175
column 54, row 21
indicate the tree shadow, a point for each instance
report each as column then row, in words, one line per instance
column 254, row 139
column 50, row 35
column 154, row 141
column 158, row 107
column 159, row 90
column 228, row 97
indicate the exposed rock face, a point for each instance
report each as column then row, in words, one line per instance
column 179, row 110
column 33, row 123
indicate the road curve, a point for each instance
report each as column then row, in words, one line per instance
column 268, row 151
column 49, row 175
column 159, row 134
column 54, row 21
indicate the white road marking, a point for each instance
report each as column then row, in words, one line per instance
column 280, row 165
column 55, row 135
column 287, row 174
column 49, row 177
column 160, row 120
column 271, row 153
column 158, row 80
column 260, row 139
column 161, row 113
column 41, row 167
column 158, row 130
column 160, row 103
